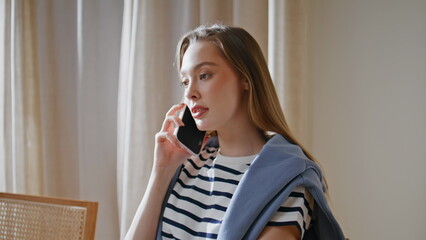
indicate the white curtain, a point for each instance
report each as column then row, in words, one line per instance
column 21, row 152
column 288, row 63
column 148, row 84
column 59, row 64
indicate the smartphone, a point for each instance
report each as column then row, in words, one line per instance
column 190, row 138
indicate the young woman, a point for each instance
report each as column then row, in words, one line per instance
column 252, row 180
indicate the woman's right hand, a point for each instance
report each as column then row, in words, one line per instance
column 168, row 154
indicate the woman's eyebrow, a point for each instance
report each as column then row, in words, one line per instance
column 199, row 65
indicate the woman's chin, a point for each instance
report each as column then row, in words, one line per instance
column 204, row 127
column 201, row 128
column 201, row 125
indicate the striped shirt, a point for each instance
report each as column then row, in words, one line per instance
column 202, row 193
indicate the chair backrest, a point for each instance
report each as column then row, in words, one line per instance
column 43, row 218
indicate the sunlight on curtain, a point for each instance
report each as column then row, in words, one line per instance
column 124, row 105
column 21, row 156
column 4, row 45
column 288, row 27
column 148, row 81
column 79, row 44
column 59, row 80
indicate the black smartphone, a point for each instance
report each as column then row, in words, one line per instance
column 190, row 138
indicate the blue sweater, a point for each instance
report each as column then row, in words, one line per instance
column 274, row 173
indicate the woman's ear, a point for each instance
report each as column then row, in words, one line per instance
column 246, row 84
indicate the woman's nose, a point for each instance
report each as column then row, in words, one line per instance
column 192, row 92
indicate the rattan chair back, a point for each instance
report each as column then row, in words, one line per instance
column 25, row 217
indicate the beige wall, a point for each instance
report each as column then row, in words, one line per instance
column 368, row 67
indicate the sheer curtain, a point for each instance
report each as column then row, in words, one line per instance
column 59, row 64
column 148, row 84
column 21, row 149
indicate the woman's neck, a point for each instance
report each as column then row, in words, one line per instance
column 241, row 142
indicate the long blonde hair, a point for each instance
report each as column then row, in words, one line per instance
column 245, row 55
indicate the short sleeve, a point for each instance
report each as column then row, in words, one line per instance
column 297, row 210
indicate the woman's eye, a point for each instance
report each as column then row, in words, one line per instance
column 184, row 83
column 204, row 76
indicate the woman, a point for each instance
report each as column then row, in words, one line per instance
column 252, row 180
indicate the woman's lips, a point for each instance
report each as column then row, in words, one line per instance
column 198, row 111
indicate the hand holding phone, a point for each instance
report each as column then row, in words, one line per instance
column 189, row 136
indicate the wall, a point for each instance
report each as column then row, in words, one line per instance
column 368, row 69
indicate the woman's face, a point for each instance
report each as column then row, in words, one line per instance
column 214, row 91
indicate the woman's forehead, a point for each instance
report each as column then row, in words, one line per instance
column 199, row 54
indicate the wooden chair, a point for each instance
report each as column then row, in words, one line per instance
column 43, row 218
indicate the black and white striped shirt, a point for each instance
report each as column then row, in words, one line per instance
column 202, row 193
